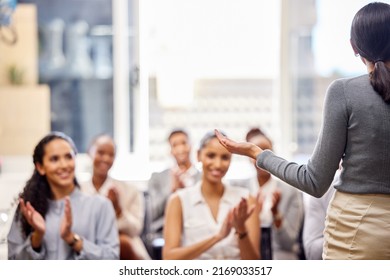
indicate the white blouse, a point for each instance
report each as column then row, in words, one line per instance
column 199, row 223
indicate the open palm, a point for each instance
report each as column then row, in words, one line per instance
column 33, row 217
column 66, row 224
column 240, row 148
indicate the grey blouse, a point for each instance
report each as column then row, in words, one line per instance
column 93, row 219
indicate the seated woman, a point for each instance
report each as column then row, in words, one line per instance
column 54, row 219
column 199, row 221
column 126, row 199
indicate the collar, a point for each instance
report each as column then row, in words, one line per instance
column 73, row 195
column 197, row 197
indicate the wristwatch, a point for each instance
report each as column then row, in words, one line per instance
column 76, row 238
column 278, row 217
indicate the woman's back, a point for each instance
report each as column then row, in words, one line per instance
column 356, row 129
column 366, row 162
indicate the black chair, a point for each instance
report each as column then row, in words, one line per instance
column 153, row 241
column 266, row 243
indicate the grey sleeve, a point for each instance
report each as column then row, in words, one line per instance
column 19, row 248
column 316, row 176
column 106, row 245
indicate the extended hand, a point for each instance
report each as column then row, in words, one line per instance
column 240, row 148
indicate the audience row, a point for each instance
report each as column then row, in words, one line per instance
column 188, row 213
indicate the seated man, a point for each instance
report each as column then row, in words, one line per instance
column 162, row 184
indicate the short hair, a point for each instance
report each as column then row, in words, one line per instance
column 97, row 137
column 256, row 132
column 177, row 131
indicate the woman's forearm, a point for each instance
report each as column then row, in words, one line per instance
column 247, row 250
column 190, row 252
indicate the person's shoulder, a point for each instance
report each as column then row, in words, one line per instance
column 189, row 190
column 163, row 173
column 343, row 83
column 94, row 200
column 124, row 185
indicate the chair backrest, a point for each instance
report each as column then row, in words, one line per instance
column 266, row 243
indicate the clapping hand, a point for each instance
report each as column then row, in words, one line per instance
column 276, row 195
column 113, row 195
column 66, row 224
column 177, row 182
column 226, row 226
column 33, row 217
column 240, row 214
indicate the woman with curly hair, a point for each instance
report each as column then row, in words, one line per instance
column 55, row 220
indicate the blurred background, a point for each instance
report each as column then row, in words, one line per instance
column 137, row 69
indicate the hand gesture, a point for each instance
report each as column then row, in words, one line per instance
column 240, row 214
column 33, row 217
column 226, row 226
column 177, row 183
column 240, row 148
column 113, row 195
column 276, row 195
column 260, row 200
column 66, row 224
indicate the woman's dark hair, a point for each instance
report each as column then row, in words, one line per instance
column 370, row 38
column 177, row 131
column 207, row 138
column 37, row 190
column 256, row 132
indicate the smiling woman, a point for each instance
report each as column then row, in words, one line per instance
column 54, row 220
column 199, row 220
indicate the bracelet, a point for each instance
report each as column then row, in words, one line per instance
column 76, row 238
column 241, row 235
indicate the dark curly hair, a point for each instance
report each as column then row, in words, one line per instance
column 37, row 190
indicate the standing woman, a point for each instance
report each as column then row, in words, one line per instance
column 55, row 220
column 211, row 220
column 356, row 129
